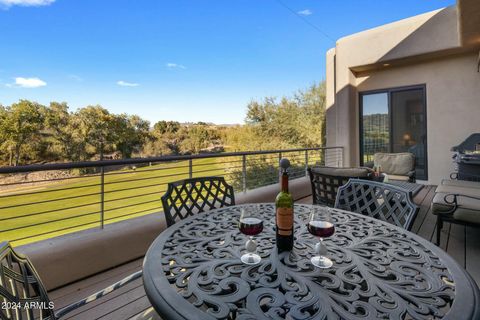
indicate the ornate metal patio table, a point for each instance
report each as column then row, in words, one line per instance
column 193, row 271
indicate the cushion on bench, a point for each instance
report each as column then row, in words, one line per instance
column 398, row 178
column 468, row 209
column 473, row 192
column 395, row 163
column 343, row 172
column 461, row 183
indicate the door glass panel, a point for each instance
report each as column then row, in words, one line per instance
column 408, row 126
column 375, row 125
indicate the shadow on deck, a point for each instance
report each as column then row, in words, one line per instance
column 130, row 302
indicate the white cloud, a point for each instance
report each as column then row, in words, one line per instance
column 175, row 66
column 127, row 84
column 25, row 3
column 27, row 83
column 305, row 12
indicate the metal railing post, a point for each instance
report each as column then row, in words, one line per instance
column 102, row 197
column 190, row 168
column 279, row 169
column 244, row 173
column 306, row 163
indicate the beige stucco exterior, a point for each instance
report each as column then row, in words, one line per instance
column 438, row 49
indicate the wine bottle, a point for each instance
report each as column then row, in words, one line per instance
column 284, row 212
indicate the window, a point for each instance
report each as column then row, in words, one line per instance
column 394, row 120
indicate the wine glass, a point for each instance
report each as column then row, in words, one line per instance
column 250, row 224
column 321, row 225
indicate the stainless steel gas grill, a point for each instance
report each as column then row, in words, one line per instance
column 467, row 159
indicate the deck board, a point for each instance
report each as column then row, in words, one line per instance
column 472, row 262
column 423, row 196
column 128, row 310
column 131, row 302
column 126, row 302
column 83, row 288
column 426, row 229
column 456, row 243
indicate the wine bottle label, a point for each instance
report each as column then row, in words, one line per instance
column 285, row 221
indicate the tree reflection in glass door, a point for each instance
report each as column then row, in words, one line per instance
column 375, row 125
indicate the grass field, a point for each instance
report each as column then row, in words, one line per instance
column 34, row 213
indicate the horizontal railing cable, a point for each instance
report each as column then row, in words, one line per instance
column 49, row 211
column 125, row 187
column 50, row 200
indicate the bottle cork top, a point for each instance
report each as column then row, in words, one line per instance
column 284, row 164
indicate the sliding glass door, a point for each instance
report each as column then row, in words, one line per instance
column 376, row 125
column 394, row 120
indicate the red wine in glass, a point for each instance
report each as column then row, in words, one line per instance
column 322, row 229
column 321, row 225
column 251, row 226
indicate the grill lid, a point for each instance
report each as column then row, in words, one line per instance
column 471, row 144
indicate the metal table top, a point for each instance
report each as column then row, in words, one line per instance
column 193, row 271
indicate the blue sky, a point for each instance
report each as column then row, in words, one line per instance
column 184, row 60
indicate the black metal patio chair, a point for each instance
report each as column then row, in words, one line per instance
column 378, row 200
column 325, row 181
column 23, row 295
column 191, row 196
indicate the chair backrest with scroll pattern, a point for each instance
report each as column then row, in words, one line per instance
column 378, row 200
column 22, row 293
column 191, row 196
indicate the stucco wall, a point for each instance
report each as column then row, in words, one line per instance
column 393, row 44
column 419, row 35
column 453, row 103
column 425, row 49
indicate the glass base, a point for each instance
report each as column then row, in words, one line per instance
column 321, row 262
column 251, row 258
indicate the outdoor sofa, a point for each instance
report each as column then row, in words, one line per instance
column 398, row 166
column 456, row 201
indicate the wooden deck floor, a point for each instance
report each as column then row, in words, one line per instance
column 130, row 302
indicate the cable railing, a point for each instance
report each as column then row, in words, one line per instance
column 44, row 201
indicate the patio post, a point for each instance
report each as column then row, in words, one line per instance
column 306, row 162
column 190, row 168
column 244, row 173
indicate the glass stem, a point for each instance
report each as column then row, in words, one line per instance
column 253, row 251
column 321, row 246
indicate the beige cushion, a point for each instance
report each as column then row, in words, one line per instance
column 343, row 172
column 468, row 209
column 473, row 192
column 396, row 177
column 395, row 163
column 461, row 183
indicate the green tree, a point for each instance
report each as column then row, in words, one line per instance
column 311, row 121
column 287, row 123
column 64, row 130
column 195, row 138
column 155, row 147
column 166, row 127
column 131, row 133
column 20, row 126
column 96, row 126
